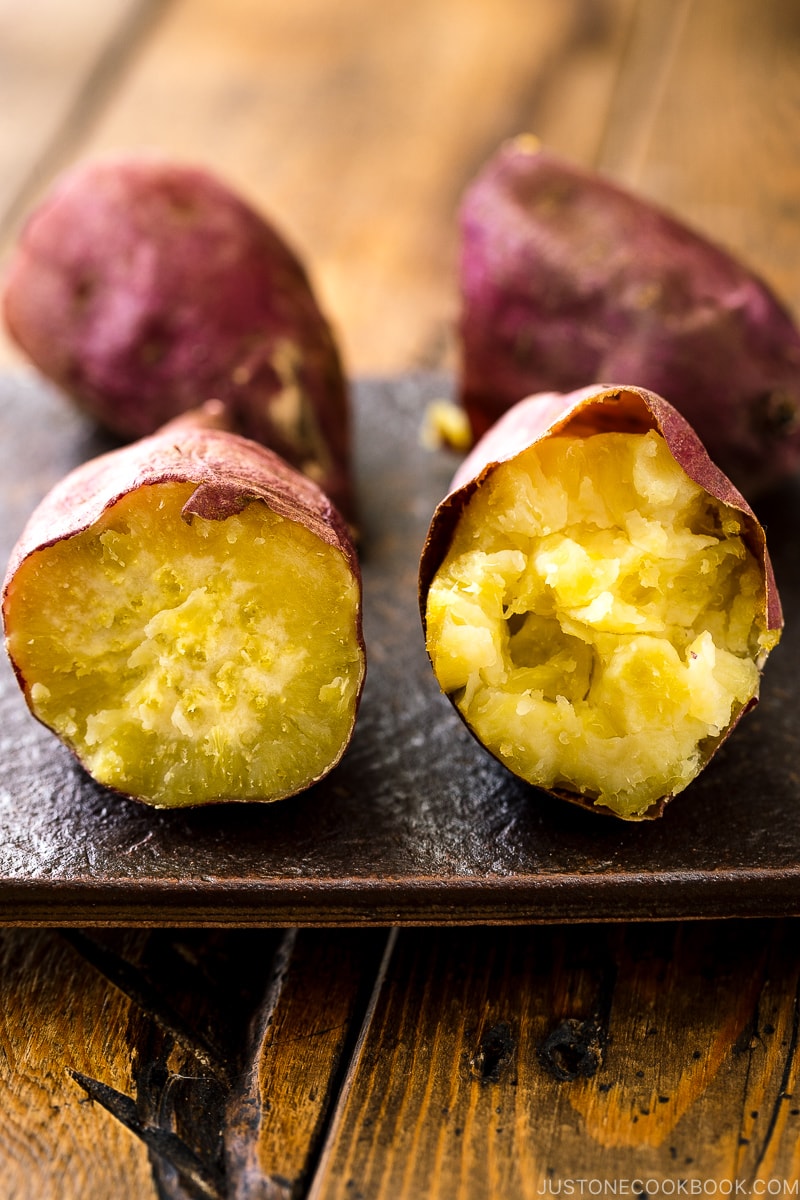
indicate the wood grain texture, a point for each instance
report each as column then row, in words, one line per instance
column 494, row 1063
column 704, row 120
column 174, row 1065
column 56, row 1018
column 57, row 59
column 502, row 1064
column 305, row 1049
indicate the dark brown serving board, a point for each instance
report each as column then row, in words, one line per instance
column 417, row 824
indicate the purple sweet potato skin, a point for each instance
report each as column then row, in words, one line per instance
column 568, row 280
column 583, row 412
column 230, row 472
column 143, row 287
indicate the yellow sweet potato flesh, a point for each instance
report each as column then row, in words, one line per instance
column 191, row 662
column 597, row 618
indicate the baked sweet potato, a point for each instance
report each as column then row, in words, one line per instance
column 185, row 614
column 143, row 287
column 568, row 280
column 597, row 598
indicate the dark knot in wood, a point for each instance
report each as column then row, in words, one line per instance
column 495, row 1051
column 573, row 1049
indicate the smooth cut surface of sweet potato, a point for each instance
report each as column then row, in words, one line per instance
column 185, row 614
column 569, row 280
column 144, row 287
column 598, row 612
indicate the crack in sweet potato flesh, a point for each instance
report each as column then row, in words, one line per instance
column 598, row 617
column 189, row 662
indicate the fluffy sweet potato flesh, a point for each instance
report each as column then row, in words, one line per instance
column 598, row 617
column 190, row 661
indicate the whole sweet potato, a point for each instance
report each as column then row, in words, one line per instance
column 597, row 598
column 144, row 287
column 185, row 614
column 568, row 280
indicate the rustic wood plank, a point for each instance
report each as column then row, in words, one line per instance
column 55, row 1017
column 305, row 1047
column 656, row 38
column 506, row 1063
column 59, row 59
column 182, row 1065
column 704, row 121
column 356, row 126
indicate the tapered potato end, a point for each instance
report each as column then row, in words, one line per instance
column 566, row 279
column 143, row 287
column 597, row 599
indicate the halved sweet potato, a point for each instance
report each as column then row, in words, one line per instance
column 597, row 598
column 568, row 280
column 185, row 614
column 144, row 287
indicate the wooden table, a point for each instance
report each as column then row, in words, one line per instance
column 657, row 1058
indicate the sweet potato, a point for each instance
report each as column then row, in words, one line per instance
column 185, row 614
column 568, row 280
column 597, row 598
column 143, row 287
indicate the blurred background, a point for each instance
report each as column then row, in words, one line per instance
column 355, row 126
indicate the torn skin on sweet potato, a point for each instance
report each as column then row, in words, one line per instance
column 185, row 614
column 569, row 280
column 144, row 287
column 597, row 598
